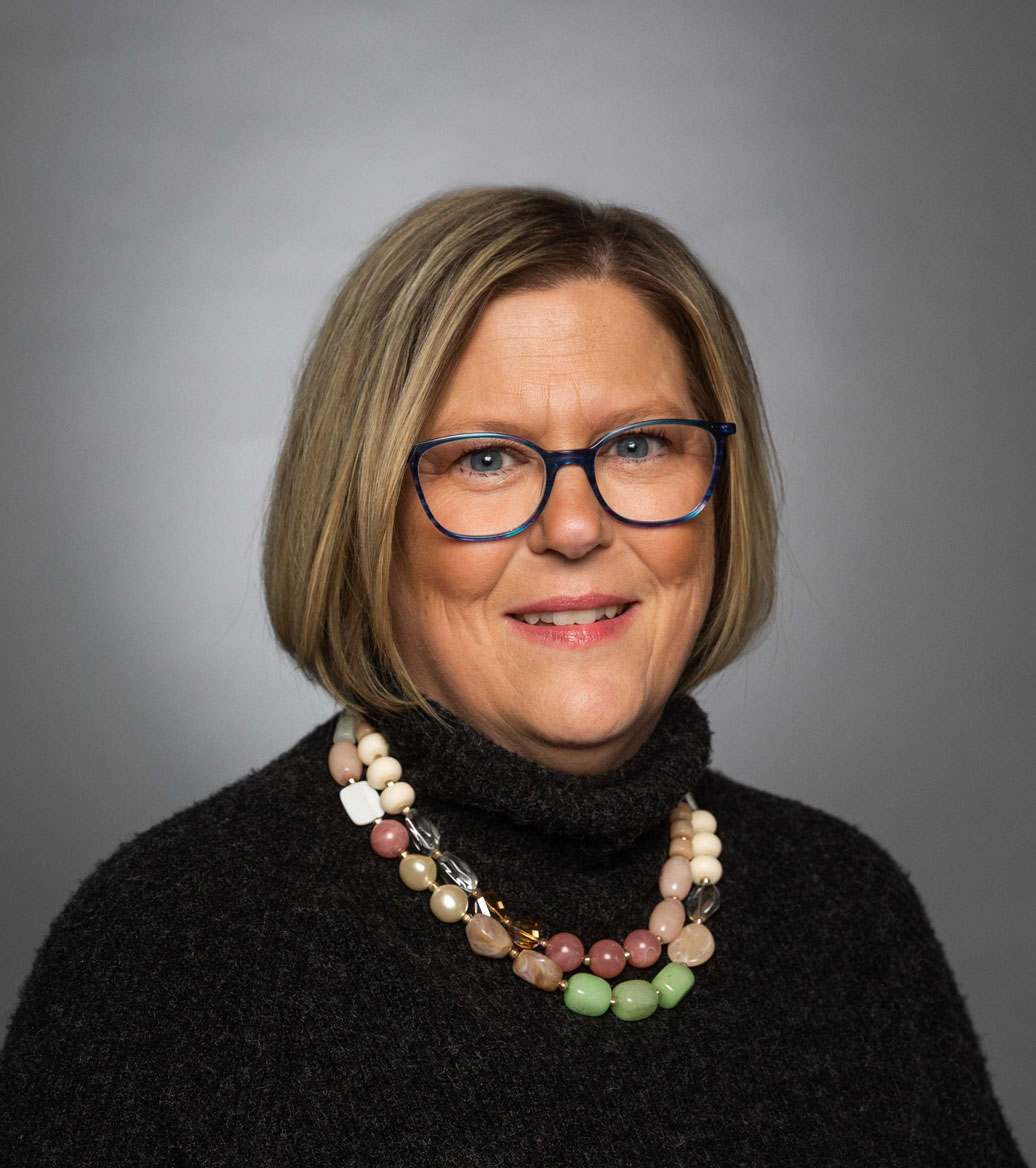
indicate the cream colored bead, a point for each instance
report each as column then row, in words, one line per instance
column 370, row 747
column 382, row 771
column 700, row 820
column 417, row 871
column 396, row 797
column 705, row 843
column 706, row 868
column 449, row 903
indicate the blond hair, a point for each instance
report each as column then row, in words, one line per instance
column 373, row 375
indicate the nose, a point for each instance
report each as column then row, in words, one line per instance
column 572, row 522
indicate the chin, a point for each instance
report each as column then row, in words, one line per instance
column 592, row 714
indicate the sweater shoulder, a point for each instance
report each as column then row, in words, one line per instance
column 233, row 828
column 250, row 847
column 787, row 842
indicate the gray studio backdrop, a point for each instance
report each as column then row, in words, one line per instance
column 185, row 183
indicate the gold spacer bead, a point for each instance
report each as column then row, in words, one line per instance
column 435, row 853
column 563, row 984
column 611, row 1001
column 586, row 960
column 626, row 954
column 433, row 886
column 466, row 917
column 402, row 855
column 514, row 952
column 406, row 810
column 658, row 994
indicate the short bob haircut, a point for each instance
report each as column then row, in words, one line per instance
column 372, row 377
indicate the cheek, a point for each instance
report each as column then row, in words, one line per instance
column 438, row 583
column 688, row 556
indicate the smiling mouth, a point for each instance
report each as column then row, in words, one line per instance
column 573, row 616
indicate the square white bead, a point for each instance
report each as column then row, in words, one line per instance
column 362, row 802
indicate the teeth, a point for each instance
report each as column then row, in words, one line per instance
column 576, row 616
column 573, row 616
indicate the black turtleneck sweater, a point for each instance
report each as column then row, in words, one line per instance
column 248, row 984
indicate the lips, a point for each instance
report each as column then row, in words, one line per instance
column 587, row 602
column 574, row 616
column 573, row 621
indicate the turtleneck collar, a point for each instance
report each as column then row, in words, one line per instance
column 453, row 763
column 578, row 852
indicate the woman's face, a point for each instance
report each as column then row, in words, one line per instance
column 560, row 367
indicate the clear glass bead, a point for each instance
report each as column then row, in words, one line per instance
column 459, row 871
column 423, row 832
column 703, row 902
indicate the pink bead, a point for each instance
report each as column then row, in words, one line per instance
column 344, row 763
column 607, row 958
column 389, row 838
column 566, row 950
column 667, row 919
column 643, row 947
column 675, row 879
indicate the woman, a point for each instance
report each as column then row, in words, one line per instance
column 523, row 506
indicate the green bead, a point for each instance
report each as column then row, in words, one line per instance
column 345, row 727
column 672, row 983
column 588, row 994
column 634, row 999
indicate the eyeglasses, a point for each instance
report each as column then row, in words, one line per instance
column 492, row 486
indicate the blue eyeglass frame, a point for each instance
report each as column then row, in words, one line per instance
column 553, row 460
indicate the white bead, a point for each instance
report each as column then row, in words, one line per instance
column 383, row 771
column 449, row 903
column 706, row 868
column 370, row 747
column 700, row 820
column 362, row 802
column 396, row 797
column 706, row 843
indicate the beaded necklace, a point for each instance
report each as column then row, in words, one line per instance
column 690, row 875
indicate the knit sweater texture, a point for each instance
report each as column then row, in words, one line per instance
column 247, row 983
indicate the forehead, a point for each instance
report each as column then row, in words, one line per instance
column 564, row 359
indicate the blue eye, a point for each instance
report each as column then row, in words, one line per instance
column 636, row 446
column 484, row 460
column 633, row 446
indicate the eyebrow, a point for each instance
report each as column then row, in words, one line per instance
column 624, row 416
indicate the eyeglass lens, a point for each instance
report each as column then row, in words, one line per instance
column 489, row 485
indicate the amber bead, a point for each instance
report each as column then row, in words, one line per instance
column 491, row 904
column 526, row 932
